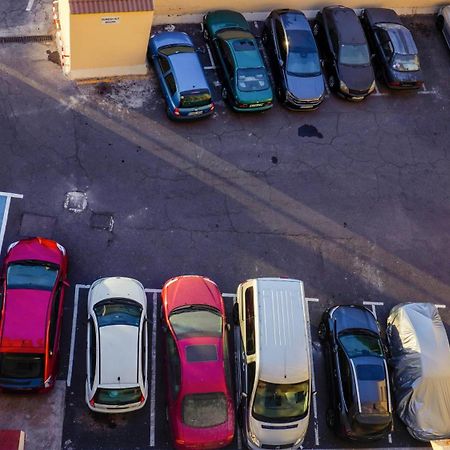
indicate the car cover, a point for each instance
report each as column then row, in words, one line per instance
column 420, row 359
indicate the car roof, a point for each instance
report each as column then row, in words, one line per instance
column 352, row 317
column 38, row 249
column 188, row 72
column 347, row 24
column 192, row 290
column 171, row 38
column 283, row 331
column 246, row 58
column 294, row 20
column 202, row 376
column 25, row 320
column 401, row 38
column 118, row 355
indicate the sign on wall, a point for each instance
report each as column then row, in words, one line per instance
column 110, row 20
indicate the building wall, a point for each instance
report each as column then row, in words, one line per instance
column 63, row 34
column 109, row 44
column 189, row 10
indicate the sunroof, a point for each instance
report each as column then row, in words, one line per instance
column 201, row 353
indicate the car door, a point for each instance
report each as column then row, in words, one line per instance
column 330, row 44
column 385, row 50
column 227, row 64
column 173, row 378
column 164, row 74
column 54, row 329
column 91, row 355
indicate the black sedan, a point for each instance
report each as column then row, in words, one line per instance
column 360, row 406
column 294, row 57
column 345, row 52
column 394, row 49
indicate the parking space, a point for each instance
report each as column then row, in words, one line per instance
column 148, row 427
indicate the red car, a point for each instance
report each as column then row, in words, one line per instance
column 31, row 305
column 200, row 405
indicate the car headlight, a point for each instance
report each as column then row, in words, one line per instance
column 11, row 246
column 254, row 439
column 343, row 87
column 61, row 248
column 372, row 86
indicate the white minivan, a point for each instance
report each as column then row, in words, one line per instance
column 274, row 362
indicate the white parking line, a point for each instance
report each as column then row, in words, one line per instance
column 9, row 196
column 74, row 328
column 153, row 371
column 313, row 378
column 211, row 60
column 30, row 5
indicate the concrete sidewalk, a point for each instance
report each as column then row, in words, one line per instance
column 41, row 416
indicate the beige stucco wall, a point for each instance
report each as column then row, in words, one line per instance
column 101, row 50
column 191, row 10
column 63, row 34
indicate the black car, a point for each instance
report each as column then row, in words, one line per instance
column 345, row 52
column 360, row 406
column 292, row 50
column 393, row 46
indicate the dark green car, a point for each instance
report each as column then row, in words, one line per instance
column 246, row 85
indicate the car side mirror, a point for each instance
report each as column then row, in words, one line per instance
column 243, row 395
column 228, row 327
column 280, row 62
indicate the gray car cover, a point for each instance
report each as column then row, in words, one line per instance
column 420, row 359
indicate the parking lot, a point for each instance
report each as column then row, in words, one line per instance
column 351, row 198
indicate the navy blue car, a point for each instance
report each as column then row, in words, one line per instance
column 180, row 75
column 294, row 57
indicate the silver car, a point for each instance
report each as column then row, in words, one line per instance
column 443, row 22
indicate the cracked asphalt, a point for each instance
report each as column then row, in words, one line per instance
column 353, row 199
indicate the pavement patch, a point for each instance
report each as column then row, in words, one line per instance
column 102, row 221
column 75, row 201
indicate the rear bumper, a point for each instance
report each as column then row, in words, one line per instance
column 256, row 109
column 23, row 384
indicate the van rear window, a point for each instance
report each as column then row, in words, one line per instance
column 21, row 365
column 193, row 99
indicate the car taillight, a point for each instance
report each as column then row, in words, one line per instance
column 92, row 402
column 394, row 83
column 176, row 111
column 179, row 441
column 212, row 107
column 142, row 400
column 243, row 105
column 46, row 242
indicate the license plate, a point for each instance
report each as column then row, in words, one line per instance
column 255, row 105
column 195, row 113
column 358, row 98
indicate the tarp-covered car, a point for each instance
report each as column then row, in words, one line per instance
column 420, row 359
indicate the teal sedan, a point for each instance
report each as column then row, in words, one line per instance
column 245, row 83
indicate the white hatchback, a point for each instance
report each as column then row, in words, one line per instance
column 116, row 356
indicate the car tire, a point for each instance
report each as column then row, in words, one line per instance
column 332, row 82
column 330, row 418
column 224, row 93
column 322, row 332
column 440, row 23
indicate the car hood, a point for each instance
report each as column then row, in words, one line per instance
column 357, row 78
column 278, row 433
column 305, row 88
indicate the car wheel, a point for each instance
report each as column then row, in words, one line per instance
column 332, row 82
column 224, row 93
column 205, row 33
column 440, row 23
column 316, row 29
column 322, row 331
column 330, row 418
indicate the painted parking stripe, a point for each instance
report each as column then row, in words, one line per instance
column 5, row 202
column 30, row 5
column 153, row 371
column 210, row 56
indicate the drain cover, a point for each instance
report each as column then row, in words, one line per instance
column 35, row 225
column 75, row 201
column 102, row 221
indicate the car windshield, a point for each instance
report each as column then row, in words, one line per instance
column 249, row 80
column 354, row 55
column 196, row 321
column 406, row 63
column 281, row 402
column 21, row 365
column 124, row 396
column 31, row 275
column 303, row 58
column 174, row 49
column 118, row 312
column 204, row 410
column 360, row 344
column 191, row 99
